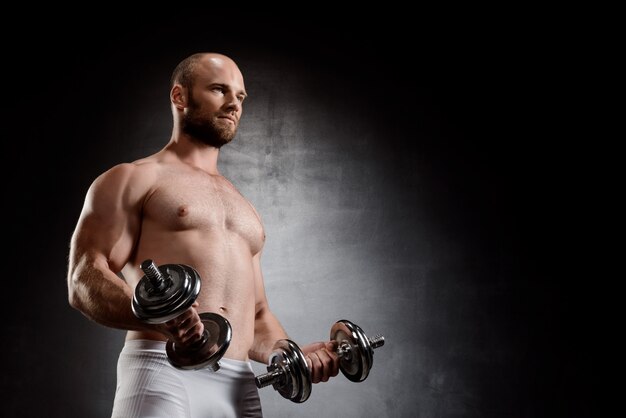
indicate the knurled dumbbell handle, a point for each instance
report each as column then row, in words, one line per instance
column 269, row 378
column 344, row 348
column 152, row 272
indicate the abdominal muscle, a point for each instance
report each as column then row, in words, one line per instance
column 224, row 262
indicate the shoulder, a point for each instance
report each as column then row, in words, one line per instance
column 126, row 179
column 133, row 172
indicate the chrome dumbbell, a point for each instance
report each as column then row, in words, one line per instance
column 288, row 371
column 167, row 291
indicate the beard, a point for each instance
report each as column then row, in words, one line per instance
column 208, row 130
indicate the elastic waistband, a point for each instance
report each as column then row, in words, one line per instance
column 150, row 345
column 155, row 346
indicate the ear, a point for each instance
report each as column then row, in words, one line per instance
column 178, row 96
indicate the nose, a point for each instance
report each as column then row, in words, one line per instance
column 232, row 104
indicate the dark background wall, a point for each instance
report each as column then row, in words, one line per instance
column 412, row 178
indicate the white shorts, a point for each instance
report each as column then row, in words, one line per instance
column 149, row 386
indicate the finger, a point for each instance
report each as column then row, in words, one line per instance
column 174, row 330
column 326, row 365
column 316, row 369
column 181, row 318
column 189, row 318
column 193, row 334
column 192, row 329
column 334, row 363
column 311, row 348
column 183, row 327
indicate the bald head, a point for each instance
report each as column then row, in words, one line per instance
column 207, row 92
column 185, row 71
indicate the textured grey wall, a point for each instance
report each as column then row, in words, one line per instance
column 405, row 195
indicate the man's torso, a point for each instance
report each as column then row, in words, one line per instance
column 198, row 219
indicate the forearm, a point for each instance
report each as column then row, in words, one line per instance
column 267, row 330
column 103, row 297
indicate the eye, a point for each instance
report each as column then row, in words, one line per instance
column 241, row 98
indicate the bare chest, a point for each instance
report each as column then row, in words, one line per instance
column 205, row 204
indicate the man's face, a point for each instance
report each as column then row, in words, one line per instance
column 207, row 124
column 214, row 104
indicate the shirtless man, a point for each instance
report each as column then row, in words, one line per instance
column 175, row 207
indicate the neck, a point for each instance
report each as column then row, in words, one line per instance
column 193, row 152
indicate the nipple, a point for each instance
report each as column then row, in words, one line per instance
column 183, row 210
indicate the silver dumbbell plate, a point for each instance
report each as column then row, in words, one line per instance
column 219, row 334
column 288, row 372
column 180, row 289
column 357, row 353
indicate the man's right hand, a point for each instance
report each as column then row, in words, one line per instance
column 185, row 329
